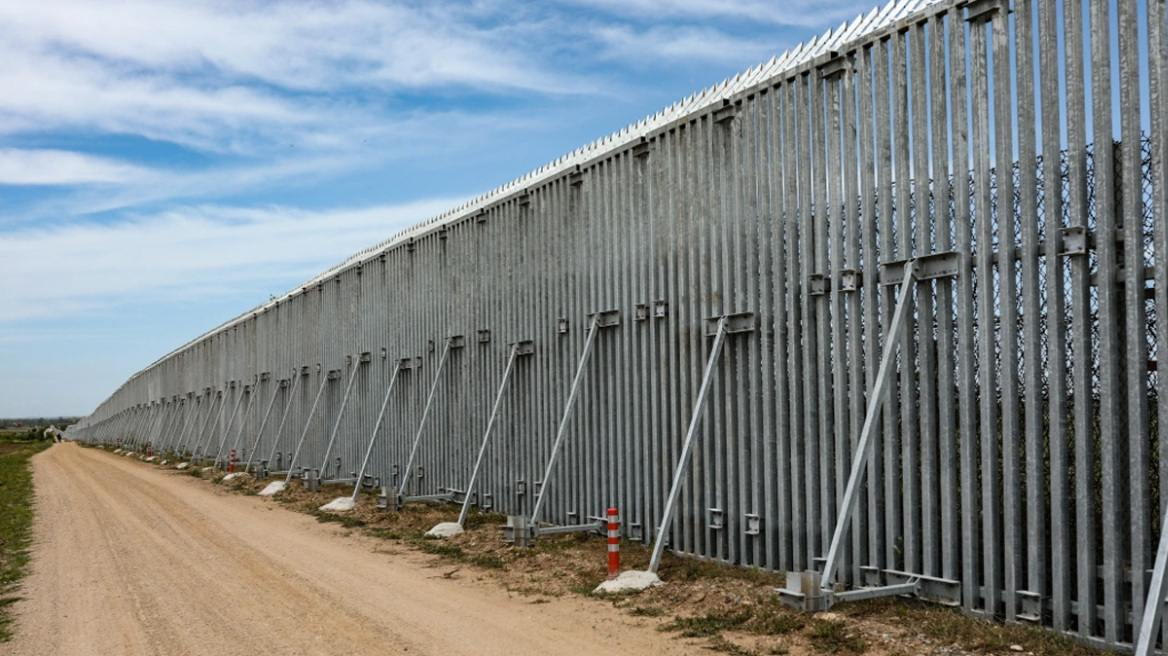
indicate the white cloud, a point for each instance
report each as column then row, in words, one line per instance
column 679, row 43
column 229, row 76
column 67, row 271
column 61, row 167
column 800, row 13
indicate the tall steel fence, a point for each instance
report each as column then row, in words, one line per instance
column 997, row 172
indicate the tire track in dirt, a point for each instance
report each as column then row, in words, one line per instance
column 136, row 560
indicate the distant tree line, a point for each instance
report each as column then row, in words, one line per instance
column 37, row 422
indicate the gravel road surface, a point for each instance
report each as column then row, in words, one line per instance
column 130, row 559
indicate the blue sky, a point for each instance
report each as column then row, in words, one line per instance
column 165, row 166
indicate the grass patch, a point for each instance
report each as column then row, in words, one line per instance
column 947, row 626
column 16, row 515
column 722, row 645
column 343, row 520
column 710, row 624
column 488, row 561
column 436, row 548
column 834, row 637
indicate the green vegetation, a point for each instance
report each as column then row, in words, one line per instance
column 16, row 515
column 835, row 636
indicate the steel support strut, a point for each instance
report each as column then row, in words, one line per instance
column 487, row 434
column 267, row 413
column 227, row 429
column 292, row 463
column 572, row 395
column 197, row 451
column 376, row 427
column 340, row 415
column 406, row 476
column 863, row 448
column 252, row 393
column 284, row 416
column 687, row 447
column 1157, row 588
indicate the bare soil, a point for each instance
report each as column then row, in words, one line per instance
column 132, row 558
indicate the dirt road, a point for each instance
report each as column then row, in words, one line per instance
column 134, row 560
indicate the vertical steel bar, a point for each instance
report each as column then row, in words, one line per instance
column 1114, row 474
column 1056, row 333
column 1032, row 555
column 1132, row 296
column 1082, row 392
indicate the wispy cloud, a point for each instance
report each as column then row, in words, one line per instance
column 214, row 76
column 654, row 44
column 73, row 269
column 799, row 13
column 60, row 167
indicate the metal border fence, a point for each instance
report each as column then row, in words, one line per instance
column 783, row 216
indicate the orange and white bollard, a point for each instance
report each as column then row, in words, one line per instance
column 231, row 467
column 613, row 544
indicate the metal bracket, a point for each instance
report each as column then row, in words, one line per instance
column 605, row 318
column 725, row 113
column 942, row 591
column 837, row 65
column 334, row 374
column 264, row 376
column 850, row 280
column 1075, row 241
column 660, row 309
column 524, row 347
column 413, row 362
column 717, row 519
column 816, row 284
column 985, row 10
column 518, row 532
column 1031, row 605
column 456, row 341
column 928, row 267
column 576, row 178
column 484, row 336
column 740, row 322
column 641, row 149
column 753, row 524
column 562, row 325
column 804, row 591
column 642, row 312
column 365, row 356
